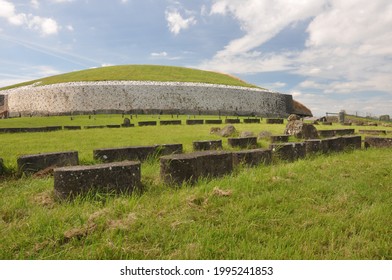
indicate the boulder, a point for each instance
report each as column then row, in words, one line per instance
column 264, row 135
column 126, row 123
column 227, row 131
column 301, row 130
column 247, row 134
column 293, row 117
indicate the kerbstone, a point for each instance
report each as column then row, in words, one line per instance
column 29, row 164
column 289, row 151
column 243, row 142
column 124, row 177
column 176, row 169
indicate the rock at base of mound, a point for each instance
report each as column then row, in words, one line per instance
column 227, row 131
column 301, row 130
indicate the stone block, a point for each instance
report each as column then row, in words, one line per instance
column 289, row 151
column 118, row 178
column 193, row 122
column 207, row 145
column 213, row 121
column 176, row 169
column 274, row 121
column 342, row 132
column 171, row 122
column 29, row 164
column 252, row 120
column 232, row 121
column 352, row 142
column 113, row 126
column 243, row 142
column 252, row 157
column 139, row 153
column 72, row 127
column 147, row 123
column 313, row 146
column 326, row 133
column 333, row 144
column 94, row 126
column 326, row 123
column 378, row 142
column 279, row 138
column 373, row 132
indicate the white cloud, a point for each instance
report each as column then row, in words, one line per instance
column 69, row 28
column 159, row 54
column 34, row 4
column 176, row 22
column 348, row 44
column 46, row 26
column 62, row 1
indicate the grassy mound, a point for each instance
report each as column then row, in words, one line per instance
column 140, row 73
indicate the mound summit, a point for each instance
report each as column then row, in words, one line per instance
column 147, row 89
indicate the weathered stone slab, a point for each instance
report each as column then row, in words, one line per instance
column 252, row 157
column 289, row 151
column 274, row 121
column 147, row 123
column 207, row 145
column 326, row 133
column 171, row 122
column 342, row 132
column 213, row 121
column 113, row 126
column 176, row 169
column 72, row 127
column 140, row 153
column 252, row 120
column 193, row 122
column 232, row 121
column 373, row 132
column 313, row 146
column 333, row 144
column 116, row 178
column 279, row 138
column 29, row 164
column 378, row 142
column 243, row 142
column 94, row 126
column 30, row 129
column 352, row 142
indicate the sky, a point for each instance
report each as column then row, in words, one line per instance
column 331, row 55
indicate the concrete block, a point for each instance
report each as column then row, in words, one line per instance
column 123, row 177
column 147, row 123
column 213, row 121
column 274, row 121
column 289, row 151
column 373, row 132
column 72, row 127
column 193, row 122
column 232, row 121
column 29, row 164
column 352, row 142
column 279, row 138
column 313, row 146
column 378, row 142
column 171, row 122
column 252, row 120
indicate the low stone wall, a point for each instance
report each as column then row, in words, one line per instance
column 146, row 97
column 139, row 153
column 147, row 123
column 174, row 122
column 29, row 164
column 193, row 122
column 252, row 157
column 213, row 121
column 176, row 169
column 207, row 145
column 123, row 177
column 232, row 121
column 378, row 142
column 30, row 129
column 373, row 132
column 289, row 151
column 251, row 120
column 2, row 167
column 279, row 138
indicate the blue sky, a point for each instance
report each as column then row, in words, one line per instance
column 329, row 54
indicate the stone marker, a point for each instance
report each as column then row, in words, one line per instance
column 207, row 145
column 147, row 123
column 176, row 169
column 251, row 120
column 232, row 121
column 120, row 177
column 352, row 142
column 274, row 121
column 378, row 142
column 29, row 164
column 213, row 121
column 139, row 153
column 227, row 131
column 243, row 142
column 171, row 122
column 126, row 122
column 252, row 157
column 289, row 151
column 193, row 122
column 300, row 129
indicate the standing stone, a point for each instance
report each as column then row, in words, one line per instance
column 126, row 122
column 301, row 130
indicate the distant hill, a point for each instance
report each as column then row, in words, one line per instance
column 140, row 73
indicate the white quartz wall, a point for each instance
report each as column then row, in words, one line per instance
column 125, row 96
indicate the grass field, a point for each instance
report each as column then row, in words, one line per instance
column 140, row 73
column 334, row 206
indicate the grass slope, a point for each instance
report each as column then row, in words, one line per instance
column 328, row 207
column 141, row 73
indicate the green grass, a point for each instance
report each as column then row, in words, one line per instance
column 140, row 73
column 327, row 207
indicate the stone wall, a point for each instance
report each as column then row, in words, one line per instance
column 149, row 97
